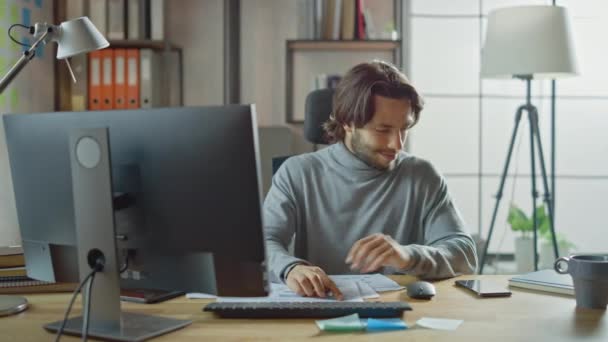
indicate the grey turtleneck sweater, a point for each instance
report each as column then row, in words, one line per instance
column 329, row 199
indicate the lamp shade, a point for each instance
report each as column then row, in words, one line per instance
column 528, row 41
column 78, row 36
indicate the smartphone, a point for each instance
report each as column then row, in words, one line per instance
column 484, row 288
column 147, row 296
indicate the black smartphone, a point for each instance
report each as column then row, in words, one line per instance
column 484, row 288
column 147, row 296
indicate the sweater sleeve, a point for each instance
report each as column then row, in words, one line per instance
column 280, row 219
column 448, row 250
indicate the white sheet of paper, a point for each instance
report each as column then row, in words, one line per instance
column 439, row 323
column 367, row 292
column 198, row 295
column 282, row 293
column 377, row 281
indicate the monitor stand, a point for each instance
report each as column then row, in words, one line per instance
column 96, row 237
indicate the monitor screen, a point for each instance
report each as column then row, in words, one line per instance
column 186, row 187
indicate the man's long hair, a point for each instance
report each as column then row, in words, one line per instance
column 353, row 100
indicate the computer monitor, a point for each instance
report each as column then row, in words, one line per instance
column 185, row 192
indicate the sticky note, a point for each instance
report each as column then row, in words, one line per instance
column 14, row 99
column 385, row 324
column 14, row 14
column 343, row 324
column 26, row 16
column 439, row 323
column 38, row 3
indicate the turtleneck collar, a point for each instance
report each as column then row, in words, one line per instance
column 357, row 167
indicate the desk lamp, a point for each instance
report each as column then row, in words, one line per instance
column 528, row 42
column 73, row 37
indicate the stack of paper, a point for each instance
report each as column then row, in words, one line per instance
column 355, row 288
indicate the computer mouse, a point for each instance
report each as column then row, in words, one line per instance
column 420, row 290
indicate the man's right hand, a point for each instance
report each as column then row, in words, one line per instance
column 311, row 281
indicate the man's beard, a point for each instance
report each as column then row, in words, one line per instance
column 366, row 154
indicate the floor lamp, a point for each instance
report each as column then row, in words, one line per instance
column 528, row 42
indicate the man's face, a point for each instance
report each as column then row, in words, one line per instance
column 378, row 142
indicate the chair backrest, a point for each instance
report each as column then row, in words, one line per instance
column 316, row 112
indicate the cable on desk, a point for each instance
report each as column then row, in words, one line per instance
column 85, row 324
column 98, row 267
column 67, row 312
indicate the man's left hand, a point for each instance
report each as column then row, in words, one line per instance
column 375, row 251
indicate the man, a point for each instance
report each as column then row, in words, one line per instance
column 362, row 203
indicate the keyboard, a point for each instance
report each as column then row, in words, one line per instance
column 307, row 309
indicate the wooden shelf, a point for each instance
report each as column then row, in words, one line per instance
column 141, row 44
column 359, row 45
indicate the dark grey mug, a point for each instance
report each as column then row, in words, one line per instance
column 589, row 273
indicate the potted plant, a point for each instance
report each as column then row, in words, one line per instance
column 524, row 243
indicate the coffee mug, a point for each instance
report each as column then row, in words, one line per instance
column 589, row 273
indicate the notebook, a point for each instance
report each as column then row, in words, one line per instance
column 544, row 280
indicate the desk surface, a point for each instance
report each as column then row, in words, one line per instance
column 525, row 316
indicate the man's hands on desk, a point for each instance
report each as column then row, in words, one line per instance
column 367, row 255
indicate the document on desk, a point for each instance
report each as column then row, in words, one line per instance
column 282, row 293
column 376, row 281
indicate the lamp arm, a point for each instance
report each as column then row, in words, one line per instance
column 25, row 58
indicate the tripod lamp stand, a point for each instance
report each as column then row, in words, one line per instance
column 528, row 42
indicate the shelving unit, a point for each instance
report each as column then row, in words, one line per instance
column 339, row 55
column 64, row 85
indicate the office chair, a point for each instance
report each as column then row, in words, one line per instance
column 317, row 109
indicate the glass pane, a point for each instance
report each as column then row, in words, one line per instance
column 580, row 212
column 581, row 146
column 489, row 5
column 448, row 134
column 445, row 55
column 442, row 7
column 497, row 129
column 591, row 51
column 516, row 191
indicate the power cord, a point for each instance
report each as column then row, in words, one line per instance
column 87, row 311
column 99, row 265
column 67, row 312
column 15, row 40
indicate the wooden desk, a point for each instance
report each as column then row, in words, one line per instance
column 526, row 316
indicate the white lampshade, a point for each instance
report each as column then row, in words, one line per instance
column 78, row 36
column 528, row 41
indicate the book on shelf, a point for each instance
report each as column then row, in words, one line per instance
column 544, row 280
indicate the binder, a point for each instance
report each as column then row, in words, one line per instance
column 136, row 19
column 157, row 19
column 174, row 79
column 116, row 19
column 132, row 67
column 120, row 76
column 107, row 79
column 78, row 90
column 95, row 80
column 98, row 12
column 149, row 79
column 348, row 19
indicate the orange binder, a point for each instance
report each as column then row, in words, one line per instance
column 107, row 79
column 132, row 68
column 95, row 80
column 120, row 84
